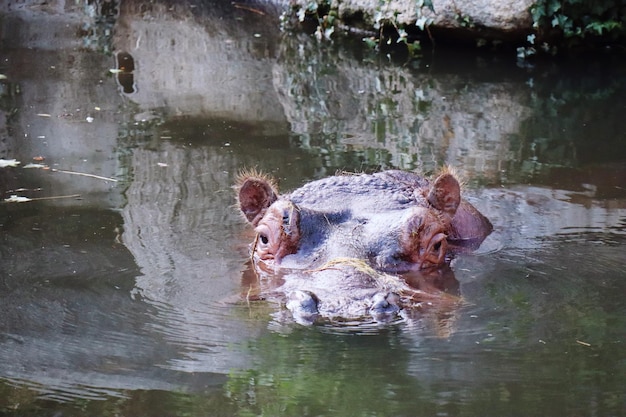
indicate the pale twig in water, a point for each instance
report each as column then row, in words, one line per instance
column 250, row 9
column 83, row 174
column 19, row 199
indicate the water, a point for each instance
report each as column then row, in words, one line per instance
column 130, row 299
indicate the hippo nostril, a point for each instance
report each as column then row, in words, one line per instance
column 303, row 306
column 385, row 306
column 440, row 247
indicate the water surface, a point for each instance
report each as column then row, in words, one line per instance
column 129, row 299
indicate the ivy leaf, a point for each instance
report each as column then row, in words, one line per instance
column 600, row 27
column 422, row 22
column 328, row 32
column 301, row 14
column 554, row 6
column 414, row 48
column 538, row 12
column 371, row 42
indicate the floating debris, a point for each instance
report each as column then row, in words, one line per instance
column 83, row 174
column 21, row 199
column 40, row 166
column 9, row 163
column 17, row 199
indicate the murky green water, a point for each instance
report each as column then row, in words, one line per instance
column 129, row 298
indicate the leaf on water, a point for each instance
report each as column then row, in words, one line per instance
column 9, row 163
column 43, row 115
column 3, row 77
column 115, row 71
column 17, row 199
column 43, row 166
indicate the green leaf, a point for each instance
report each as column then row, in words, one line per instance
column 371, row 42
column 554, row 6
column 422, row 22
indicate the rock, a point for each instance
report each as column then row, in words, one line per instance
column 506, row 19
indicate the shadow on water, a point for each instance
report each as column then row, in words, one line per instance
column 128, row 299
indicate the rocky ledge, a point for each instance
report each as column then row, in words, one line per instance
column 503, row 20
column 547, row 24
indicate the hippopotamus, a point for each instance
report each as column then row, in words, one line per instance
column 339, row 247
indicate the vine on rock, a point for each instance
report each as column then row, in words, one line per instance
column 389, row 32
column 575, row 23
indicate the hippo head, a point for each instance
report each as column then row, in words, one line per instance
column 391, row 222
column 398, row 227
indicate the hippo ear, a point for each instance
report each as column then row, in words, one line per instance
column 445, row 194
column 256, row 194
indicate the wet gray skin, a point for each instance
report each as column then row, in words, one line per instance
column 336, row 247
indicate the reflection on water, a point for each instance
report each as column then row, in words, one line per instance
column 128, row 301
column 124, row 72
column 525, row 343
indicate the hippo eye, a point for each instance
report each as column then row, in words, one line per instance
column 398, row 257
column 264, row 239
